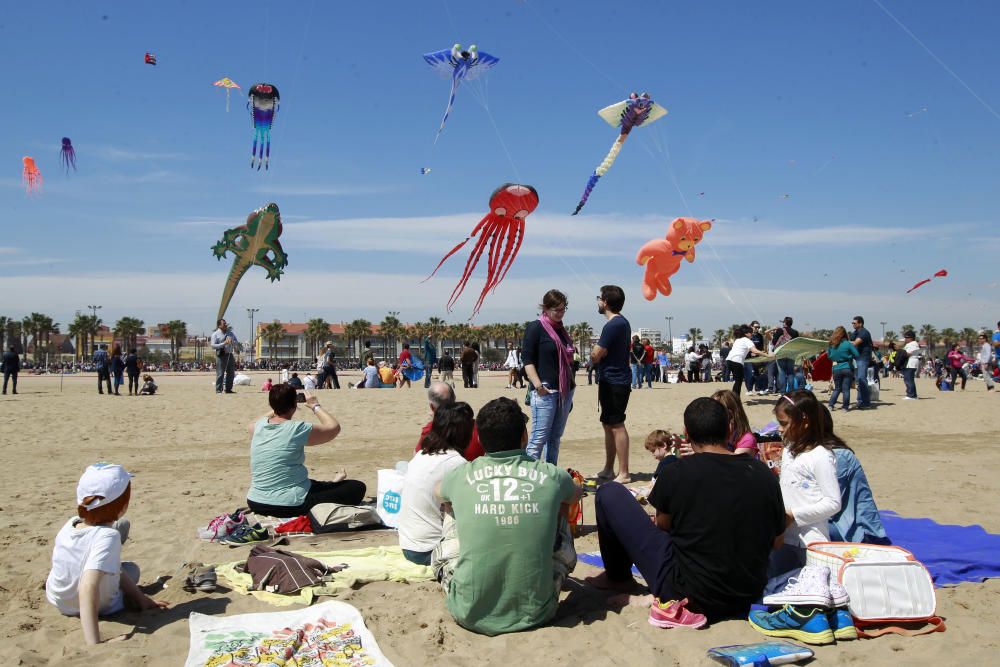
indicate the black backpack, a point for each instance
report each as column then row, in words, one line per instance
column 902, row 356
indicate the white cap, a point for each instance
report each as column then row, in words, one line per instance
column 107, row 480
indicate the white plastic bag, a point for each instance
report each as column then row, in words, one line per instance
column 389, row 500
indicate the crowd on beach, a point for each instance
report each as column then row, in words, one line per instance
column 487, row 507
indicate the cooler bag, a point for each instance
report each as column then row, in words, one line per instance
column 389, row 500
column 887, row 586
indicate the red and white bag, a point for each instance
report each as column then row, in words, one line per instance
column 890, row 590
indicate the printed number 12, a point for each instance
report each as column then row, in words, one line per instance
column 510, row 490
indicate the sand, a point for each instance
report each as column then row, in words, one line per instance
column 188, row 448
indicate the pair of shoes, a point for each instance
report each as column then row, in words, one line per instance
column 218, row 392
column 246, row 534
column 674, row 614
column 201, row 578
column 230, row 391
column 222, row 525
column 815, row 585
column 809, row 625
column 909, row 398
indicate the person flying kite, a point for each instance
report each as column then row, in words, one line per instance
column 503, row 230
column 253, row 244
column 458, row 65
column 627, row 114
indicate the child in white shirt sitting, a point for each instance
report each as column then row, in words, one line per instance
column 88, row 577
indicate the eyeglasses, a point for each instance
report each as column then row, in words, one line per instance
column 560, row 309
column 600, row 298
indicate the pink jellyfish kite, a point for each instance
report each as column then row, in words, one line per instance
column 31, row 176
column 503, row 230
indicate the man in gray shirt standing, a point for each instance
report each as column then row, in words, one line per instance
column 224, row 343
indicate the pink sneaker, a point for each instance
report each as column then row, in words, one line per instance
column 673, row 614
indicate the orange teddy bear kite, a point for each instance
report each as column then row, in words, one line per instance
column 662, row 257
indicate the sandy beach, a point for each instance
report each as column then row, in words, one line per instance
column 188, row 447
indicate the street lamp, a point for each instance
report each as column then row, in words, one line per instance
column 253, row 350
column 94, row 309
column 670, row 334
column 883, row 332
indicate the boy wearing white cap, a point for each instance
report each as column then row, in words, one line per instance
column 86, row 578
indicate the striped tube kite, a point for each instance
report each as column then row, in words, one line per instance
column 503, row 230
column 456, row 64
column 627, row 114
column 263, row 103
column 253, row 244
column 228, row 84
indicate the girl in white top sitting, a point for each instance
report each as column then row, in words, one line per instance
column 742, row 347
column 808, row 481
column 421, row 518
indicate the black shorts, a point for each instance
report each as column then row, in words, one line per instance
column 613, row 399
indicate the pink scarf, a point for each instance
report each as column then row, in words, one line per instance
column 564, row 350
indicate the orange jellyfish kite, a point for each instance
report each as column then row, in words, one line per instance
column 31, row 176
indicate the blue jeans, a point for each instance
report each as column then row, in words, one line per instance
column 864, row 395
column 750, row 375
column 225, row 370
column 772, row 376
column 841, row 385
column 647, row 374
column 786, row 375
column 910, row 382
column 636, row 376
column 548, row 421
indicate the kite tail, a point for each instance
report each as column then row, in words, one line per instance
column 451, row 102
column 240, row 267
column 253, row 151
column 267, row 156
column 602, row 169
column 591, row 182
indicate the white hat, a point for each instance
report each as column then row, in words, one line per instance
column 107, row 480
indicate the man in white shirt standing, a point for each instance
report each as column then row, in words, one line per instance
column 912, row 349
column 224, row 343
column 985, row 359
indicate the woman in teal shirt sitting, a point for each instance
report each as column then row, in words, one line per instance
column 842, row 353
column 279, row 482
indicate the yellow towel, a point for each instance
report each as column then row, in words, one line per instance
column 363, row 566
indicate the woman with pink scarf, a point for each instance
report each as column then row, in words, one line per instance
column 547, row 353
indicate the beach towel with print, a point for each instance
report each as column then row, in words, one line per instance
column 363, row 566
column 329, row 634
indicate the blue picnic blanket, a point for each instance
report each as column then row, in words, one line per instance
column 952, row 554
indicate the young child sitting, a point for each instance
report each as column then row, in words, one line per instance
column 741, row 439
column 148, row 386
column 267, row 385
column 665, row 448
column 88, row 578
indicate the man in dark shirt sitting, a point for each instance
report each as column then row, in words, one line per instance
column 718, row 516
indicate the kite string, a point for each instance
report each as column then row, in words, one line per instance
column 936, row 59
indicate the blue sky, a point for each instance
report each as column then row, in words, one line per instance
column 822, row 102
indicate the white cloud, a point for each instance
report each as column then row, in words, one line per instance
column 343, row 296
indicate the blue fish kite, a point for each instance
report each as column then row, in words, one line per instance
column 627, row 114
column 263, row 102
column 458, row 65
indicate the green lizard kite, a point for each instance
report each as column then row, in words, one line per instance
column 251, row 244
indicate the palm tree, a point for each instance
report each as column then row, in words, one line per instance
column 948, row 336
column 969, row 335
column 78, row 329
column 177, row 332
column 44, row 328
column 822, row 334
column 718, row 338
column 4, row 324
column 317, row 330
column 890, row 337
column 273, row 334
column 581, row 334
column 930, row 336
column 695, row 334
column 908, row 327
column 362, row 329
column 128, row 328
column 391, row 329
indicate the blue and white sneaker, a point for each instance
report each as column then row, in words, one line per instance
column 842, row 624
column 809, row 625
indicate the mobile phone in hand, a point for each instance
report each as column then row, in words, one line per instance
column 300, row 397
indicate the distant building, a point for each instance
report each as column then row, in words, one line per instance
column 655, row 336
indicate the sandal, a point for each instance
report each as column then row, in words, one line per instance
column 201, row 578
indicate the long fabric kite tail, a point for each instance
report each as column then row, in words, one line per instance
column 602, row 169
column 267, row 156
column 253, row 151
column 240, row 267
column 496, row 249
column 470, row 265
column 514, row 239
column 457, row 248
column 591, row 182
column 451, row 102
